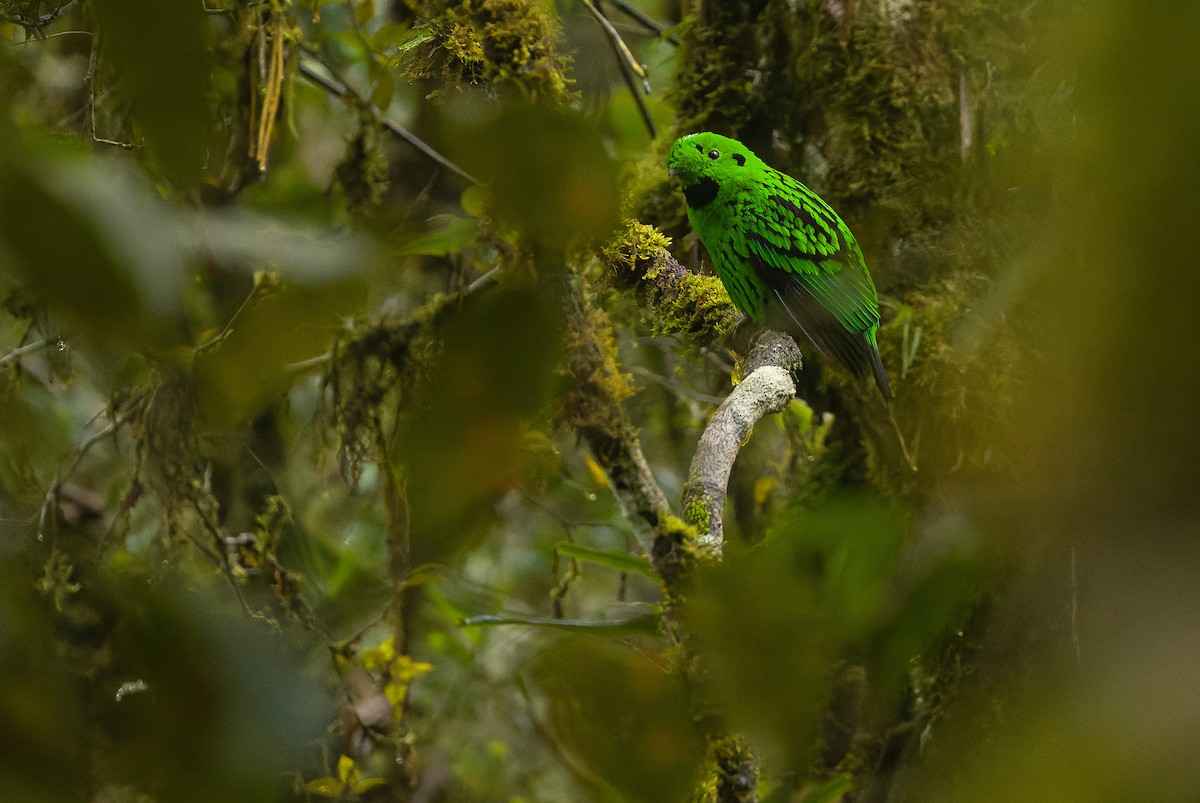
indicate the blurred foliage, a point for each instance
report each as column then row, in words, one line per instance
column 160, row 55
column 296, row 500
column 621, row 715
column 552, row 180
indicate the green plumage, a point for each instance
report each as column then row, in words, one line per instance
column 786, row 258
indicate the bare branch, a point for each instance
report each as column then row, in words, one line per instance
column 628, row 64
column 645, row 21
column 342, row 90
column 19, row 352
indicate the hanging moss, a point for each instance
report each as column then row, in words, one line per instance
column 378, row 369
column 363, row 171
column 510, row 45
column 170, row 464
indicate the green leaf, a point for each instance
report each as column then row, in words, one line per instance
column 299, row 253
column 364, row 11
column 474, row 201
column 460, row 455
column 423, row 575
column 384, row 84
column 74, row 233
column 390, row 35
column 33, row 440
column 616, row 559
column 367, row 784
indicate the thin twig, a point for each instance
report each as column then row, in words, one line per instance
column 50, row 36
column 228, row 327
column 644, row 20
column 221, row 557
column 342, row 90
column 489, row 278
column 678, row 388
column 628, row 64
column 28, row 348
column 311, row 362
column 80, row 454
column 90, row 80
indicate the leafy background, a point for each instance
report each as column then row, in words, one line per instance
column 317, row 315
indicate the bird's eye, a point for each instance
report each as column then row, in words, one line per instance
column 714, row 154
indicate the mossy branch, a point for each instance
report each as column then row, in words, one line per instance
column 684, row 303
column 593, row 407
column 698, row 308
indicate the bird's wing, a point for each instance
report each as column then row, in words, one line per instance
column 794, row 236
column 808, row 259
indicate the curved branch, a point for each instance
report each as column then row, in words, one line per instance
column 769, row 385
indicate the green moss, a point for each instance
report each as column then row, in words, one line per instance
column 695, row 511
column 732, row 771
column 679, row 301
column 955, row 374
column 638, row 241
column 675, row 553
column 674, row 527
column 505, row 44
column 718, row 80
column 597, row 380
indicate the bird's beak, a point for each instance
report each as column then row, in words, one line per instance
column 672, row 170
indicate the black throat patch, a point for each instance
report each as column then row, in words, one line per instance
column 701, row 193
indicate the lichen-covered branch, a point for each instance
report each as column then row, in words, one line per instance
column 768, row 387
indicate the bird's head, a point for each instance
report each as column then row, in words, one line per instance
column 705, row 161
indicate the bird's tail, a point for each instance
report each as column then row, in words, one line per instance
column 881, row 377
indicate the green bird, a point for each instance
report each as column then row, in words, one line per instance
column 786, row 258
